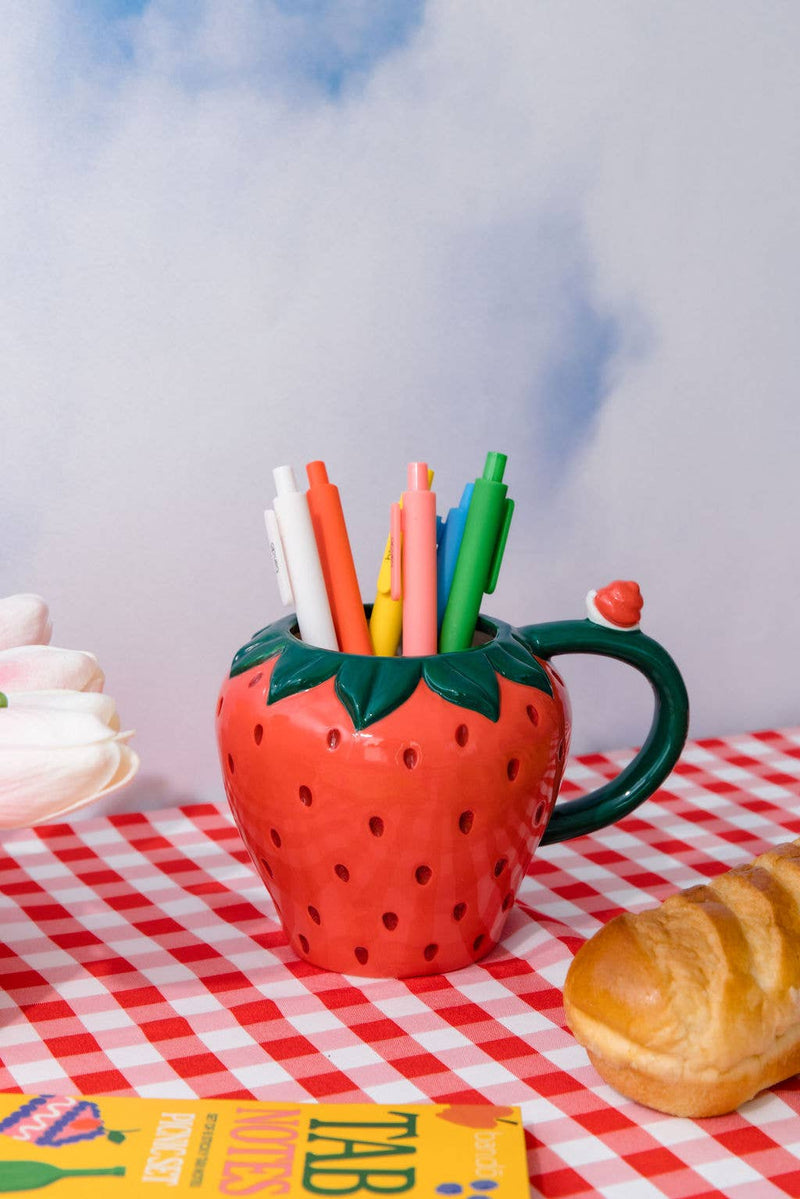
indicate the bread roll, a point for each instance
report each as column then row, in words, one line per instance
column 694, row 1008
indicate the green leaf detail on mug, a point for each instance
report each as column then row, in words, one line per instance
column 369, row 688
column 300, row 670
column 369, row 691
column 467, row 679
column 514, row 660
column 261, row 646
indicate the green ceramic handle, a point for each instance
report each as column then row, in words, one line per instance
column 668, row 730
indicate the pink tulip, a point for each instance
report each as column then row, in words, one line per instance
column 60, row 744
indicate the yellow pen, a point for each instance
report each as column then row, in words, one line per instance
column 386, row 621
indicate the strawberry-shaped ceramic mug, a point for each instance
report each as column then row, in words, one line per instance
column 392, row 805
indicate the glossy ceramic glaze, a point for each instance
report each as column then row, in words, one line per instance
column 392, row 805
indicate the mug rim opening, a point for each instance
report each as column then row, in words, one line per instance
column 486, row 631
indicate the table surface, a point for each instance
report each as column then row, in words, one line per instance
column 143, row 956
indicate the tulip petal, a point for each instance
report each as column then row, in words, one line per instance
column 24, row 620
column 36, row 786
column 128, row 765
column 43, row 667
column 94, row 703
column 50, row 729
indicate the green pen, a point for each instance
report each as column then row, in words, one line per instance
column 480, row 554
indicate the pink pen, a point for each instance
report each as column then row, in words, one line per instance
column 414, row 525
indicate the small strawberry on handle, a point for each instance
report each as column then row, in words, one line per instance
column 617, row 606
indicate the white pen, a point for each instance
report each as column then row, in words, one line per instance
column 293, row 547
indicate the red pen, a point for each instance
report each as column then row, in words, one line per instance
column 338, row 568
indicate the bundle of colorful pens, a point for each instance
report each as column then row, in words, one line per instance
column 434, row 572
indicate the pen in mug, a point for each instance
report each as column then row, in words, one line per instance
column 413, row 528
column 336, row 557
column 296, row 560
column 451, row 531
column 480, row 555
column 386, row 619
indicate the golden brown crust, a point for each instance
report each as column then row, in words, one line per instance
column 694, row 1008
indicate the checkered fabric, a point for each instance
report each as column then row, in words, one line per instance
column 143, row 956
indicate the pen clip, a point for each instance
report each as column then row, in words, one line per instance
column 278, row 557
column 500, row 545
column 395, row 536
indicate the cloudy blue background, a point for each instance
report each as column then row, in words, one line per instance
column 237, row 233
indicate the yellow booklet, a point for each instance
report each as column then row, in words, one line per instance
column 236, row 1147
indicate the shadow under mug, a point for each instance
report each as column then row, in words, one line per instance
column 392, row 806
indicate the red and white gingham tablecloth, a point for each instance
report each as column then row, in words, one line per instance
column 142, row 955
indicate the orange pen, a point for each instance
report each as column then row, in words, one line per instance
column 336, row 557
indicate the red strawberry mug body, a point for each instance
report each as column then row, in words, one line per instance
column 392, row 805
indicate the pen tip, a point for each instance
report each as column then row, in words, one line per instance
column 284, row 479
column 317, row 473
column 495, row 466
column 418, row 477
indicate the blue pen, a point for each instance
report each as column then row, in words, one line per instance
column 450, row 531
